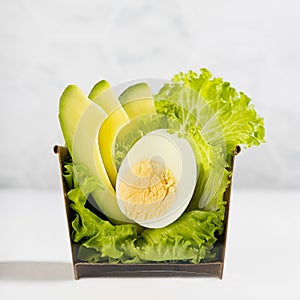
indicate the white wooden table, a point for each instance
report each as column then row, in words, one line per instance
column 262, row 259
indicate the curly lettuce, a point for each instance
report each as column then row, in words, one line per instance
column 236, row 115
column 190, row 238
column 215, row 118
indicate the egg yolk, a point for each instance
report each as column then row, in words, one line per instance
column 147, row 190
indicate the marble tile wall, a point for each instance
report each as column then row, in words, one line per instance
column 46, row 45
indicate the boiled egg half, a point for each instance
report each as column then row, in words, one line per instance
column 156, row 180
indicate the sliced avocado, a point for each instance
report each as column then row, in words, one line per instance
column 103, row 95
column 80, row 127
column 98, row 88
column 70, row 111
column 137, row 100
column 107, row 137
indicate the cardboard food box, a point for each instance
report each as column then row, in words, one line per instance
column 85, row 269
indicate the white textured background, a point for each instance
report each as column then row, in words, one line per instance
column 46, row 45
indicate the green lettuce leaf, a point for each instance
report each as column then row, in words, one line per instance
column 190, row 238
column 215, row 119
column 241, row 125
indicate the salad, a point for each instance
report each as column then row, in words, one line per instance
column 147, row 169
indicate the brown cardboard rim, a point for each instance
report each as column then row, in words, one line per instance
column 85, row 269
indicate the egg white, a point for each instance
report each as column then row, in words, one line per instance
column 176, row 155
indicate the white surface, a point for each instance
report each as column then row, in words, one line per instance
column 262, row 260
column 46, row 45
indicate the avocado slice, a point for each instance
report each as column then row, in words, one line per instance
column 70, row 111
column 80, row 121
column 138, row 100
column 103, row 95
column 98, row 88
